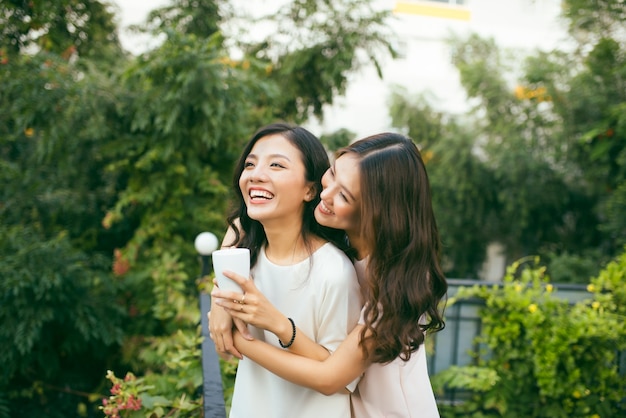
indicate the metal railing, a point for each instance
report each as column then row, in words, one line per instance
column 212, row 392
column 453, row 345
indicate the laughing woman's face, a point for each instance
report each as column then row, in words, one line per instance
column 273, row 182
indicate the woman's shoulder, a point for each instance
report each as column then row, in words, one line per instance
column 331, row 264
column 328, row 251
column 230, row 237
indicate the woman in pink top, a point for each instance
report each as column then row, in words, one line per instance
column 378, row 192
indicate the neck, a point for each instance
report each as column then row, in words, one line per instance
column 285, row 244
column 358, row 244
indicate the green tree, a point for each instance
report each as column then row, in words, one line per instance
column 316, row 46
column 537, row 207
column 337, row 139
column 589, row 101
column 464, row 194
column 63, row 27
column 185, row 17
column 111, row 165
column 60, row 308
column 59, row 313
column 548, row 149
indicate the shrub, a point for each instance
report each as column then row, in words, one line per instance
column 170, row 384
column 541, row 355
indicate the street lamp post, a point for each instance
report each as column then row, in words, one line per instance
column 213, row 395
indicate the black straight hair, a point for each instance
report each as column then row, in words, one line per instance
column 315, row 160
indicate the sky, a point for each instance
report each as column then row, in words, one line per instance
column 132, row 12
column 425, row 66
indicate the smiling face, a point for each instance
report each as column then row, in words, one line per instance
column 340, row 207
column 273, row 181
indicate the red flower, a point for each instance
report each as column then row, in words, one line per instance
column 120, row 264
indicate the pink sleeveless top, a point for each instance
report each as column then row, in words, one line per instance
column 395, row 390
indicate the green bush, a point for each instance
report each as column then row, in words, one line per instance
column 170, row 384
column 574, row 268
column 542, row 356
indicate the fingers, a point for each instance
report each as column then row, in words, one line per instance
column 237, row 278
column 226, row 294
column 225, row 347
column 243, row 329
column 215, row 334
column 234, row 306
column 229, row 346
column 221, row 332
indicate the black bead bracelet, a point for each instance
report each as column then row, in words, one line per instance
column 293, row 336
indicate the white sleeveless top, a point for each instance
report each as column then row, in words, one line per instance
column 322, row 296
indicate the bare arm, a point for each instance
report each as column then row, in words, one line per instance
column 328, row 377
column 258, row 311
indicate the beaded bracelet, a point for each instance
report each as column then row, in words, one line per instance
column 293, row 336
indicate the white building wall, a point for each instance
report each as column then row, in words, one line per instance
column 425, row 66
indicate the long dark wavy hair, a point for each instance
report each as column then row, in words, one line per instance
column 315, row 159
column 404, row 280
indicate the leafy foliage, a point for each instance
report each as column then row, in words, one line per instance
column 537, row 166
column 522, row 152
column 464, row 194
column 111, row 165
column 595, row 18
column 185, row 17
column 45, row 345
column 61, row 308
column 64, row 27
column 337, row 139
column 318, row 43
column 543, row 356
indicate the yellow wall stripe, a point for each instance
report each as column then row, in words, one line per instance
column 446, row 12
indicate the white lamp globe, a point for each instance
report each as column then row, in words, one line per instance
column 206, row 243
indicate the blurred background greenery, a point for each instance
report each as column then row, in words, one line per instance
column 112, row 163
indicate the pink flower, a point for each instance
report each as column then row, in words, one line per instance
column 116, row 389
column 133, row 403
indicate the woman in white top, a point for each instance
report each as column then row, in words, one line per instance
column 378, row 192
column 294, row 264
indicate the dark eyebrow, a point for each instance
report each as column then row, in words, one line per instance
column 280, row 156
column 270, row 156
